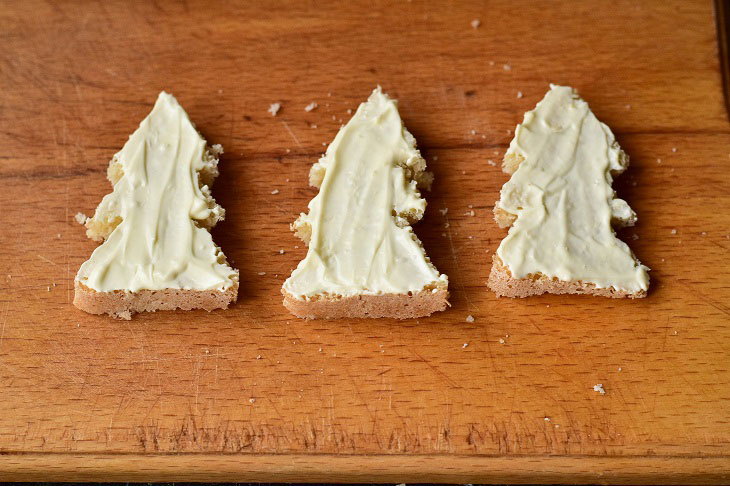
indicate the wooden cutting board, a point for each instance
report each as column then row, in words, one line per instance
column 252, row 393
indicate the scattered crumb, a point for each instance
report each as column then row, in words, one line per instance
column 274, row 108
column 556, row 426
column 599, row 388
column 507, row 67
column 674, row 149
column 349, row 111
column 324, row 144
column 658, row 161
column 81, row 218
column 443, row 234
column 674, row 231
column 58, row 236
column 463, row 172
column 320, row 350
column 313, row 125
column 220, row 91
column 311, row 106
column 470, row 213
column 547, row 419
column 274, row 192
column 704, row 233
column 619, row 368
column 251, row 400
column 548, row 306
column 49, row 288
column 258, row 356
column 675, row 333
column 54, row 284
column 473, row 132
column 435, row 158
column 491, row 162
column 662, row 260
column 634, row 237
column 465, row 345
column 476, row 23
column 446, row 225
column 288, row 150
column 501, row 341
column 281, row 252
column 262, row 273
column 470, row 206
column 296, row 247
column 519, row 94
column 443, row 211
column 470, row 318
column 628, row 107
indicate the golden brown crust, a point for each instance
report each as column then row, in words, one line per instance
column 504, row 284
column 122, row 304
column 396, row 306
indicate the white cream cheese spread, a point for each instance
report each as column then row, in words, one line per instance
column 158, row 244
column 562, row 197
column 361, row 242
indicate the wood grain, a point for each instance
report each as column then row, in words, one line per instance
column 254, row 394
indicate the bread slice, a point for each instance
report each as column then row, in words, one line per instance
column 560, row 207
column 363, row 259
column 157, row 252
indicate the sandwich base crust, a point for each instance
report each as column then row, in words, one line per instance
column 504, row 284
column 396, row 306
column 122, row 304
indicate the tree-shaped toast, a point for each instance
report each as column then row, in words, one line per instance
column 157, row 251
column 363, row 258
column 559, row 206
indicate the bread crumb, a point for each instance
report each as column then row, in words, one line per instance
column 470, row 213
column 258, row 356
column 58, row 236
column 281, row 252
column 465, row 345
column 252, row 400
column 274, row 192
column 324, row 144
column 446, row 225
column 599, row 388
column 320, row 350
column 674, row 149
column 473, row 132
column 349, row 111
column 507, row 67
column 313, row 125
column 262, row 274
column 470, row 206
column 274, row 108
column 658, row 161
column 674, row 231
column 443, row 234
column 704, row 233
column 475, row 23
column 443, row 211
column 470, row 318
column 634, row 237
column 435, row 157
column 491, row 162
column 49, row 288
column 311, row 106
column 519, row 94
column 81, row 218
column 628, row 107
column 619, row 368
column 501, row 341
column 547, row 419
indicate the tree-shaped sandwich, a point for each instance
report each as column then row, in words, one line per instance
column 560, row 207
column 157, row 251
column 363, row 258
